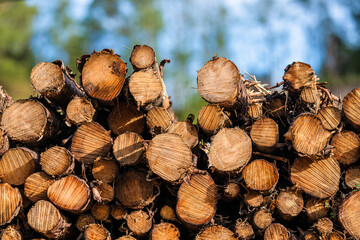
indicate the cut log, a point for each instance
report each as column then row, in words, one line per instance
column 318, row 177
column 159, row 120
column 83, row 221
column 127, row 237
column 219, row 82
column 133, row 190
column 349, row 214
column 276, row 231
column 165, row 231
column 298, row 75
column 244, row 230
column 255, row 111
column 330, row 117
column 352, row 177
column 253, row 199
column 307, row 134
column 79, row 111
column 29, row 121
column 169, row 157
column 335, row 236
column 103, row 75
column 187, row 131
column 4, row 142
column 216, row 232
column 100, row 211
column 126, row 118
column 310, row 236
column 10, row 233
column 139, row 223
column 96, row 232
column 142, row 56
column 36, row 186
column 129, row 148
column 70, row 194
column 261, row 175
column 196, row 201
column 53, row 81
column 231, row 191
column 276, row 107
column 89, row 142
column 10, row 203
column 46, row 219
column 212, row 118
column 316, row 208
column 324, row 225
column 346, row 147
column 106, row 192
column 310, row 95
column 351, row 107
column 289, row 203
column 16, row 165
column 167, row 213
column 262, row 219
column 230, row 150
column 105, row 170
column 118, row 212
column 57, row 161
column 146, row 88
column 265, row 134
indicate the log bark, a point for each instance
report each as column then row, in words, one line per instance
column 36, row 186
column 165, row 231
column 57, row 161
column 55, row 82
column 212, row 118
column 129, row 149
column 4, row 142
column 10, row 203
column 5, row 101
column 79, row 111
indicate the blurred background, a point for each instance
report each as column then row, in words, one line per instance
column 260, row 36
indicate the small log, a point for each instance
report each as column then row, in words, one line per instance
column 127, row 237
column 216, row 232
column 96, row 232
column 105, row 170
column 103, row 75
column 265, row 134
column 231, row 191
column 317, row 177
column 10, row 233
column 165, row 231
column 346, row 147
column 262, row 219
column 89, row 142
column 324, row 225
column 196, row 201
column 255, row 111
column 79, row 111
column 352, row 177
column 133, row 190
column 330, row 117
column 129, row 148
column 289, row 203
column 46, row 219
column 159, row 120
column 10, row 203
column 139, row 223
column 142, row 56
column 100, row 211
column 16, row 165
column 244, row 230
column 70, row 194
column 230, row 150
column 298, row 75
column 307, row 134
column 334, row 236
column 118, row 212
column 351, row 107
column 316, row 208
column 167, row 213
column 276, row 107
column 83, row 221
column 349, row 214
column 212, row 118
column 29, row 121
column 310, row 236
column 36, row 186
column 53, row 81
column 253, row 199
column 146, row 88
column 169, row 157
column 276, row 231
column 219, row 82
column 310, row 95
column 187, row 131
column 261, row 175
column 106, row 192
column 126, row 118
column 57, row 161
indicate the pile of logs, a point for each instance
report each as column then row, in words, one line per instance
column 108, row 158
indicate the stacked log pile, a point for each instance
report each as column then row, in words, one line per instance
column 108, row 158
